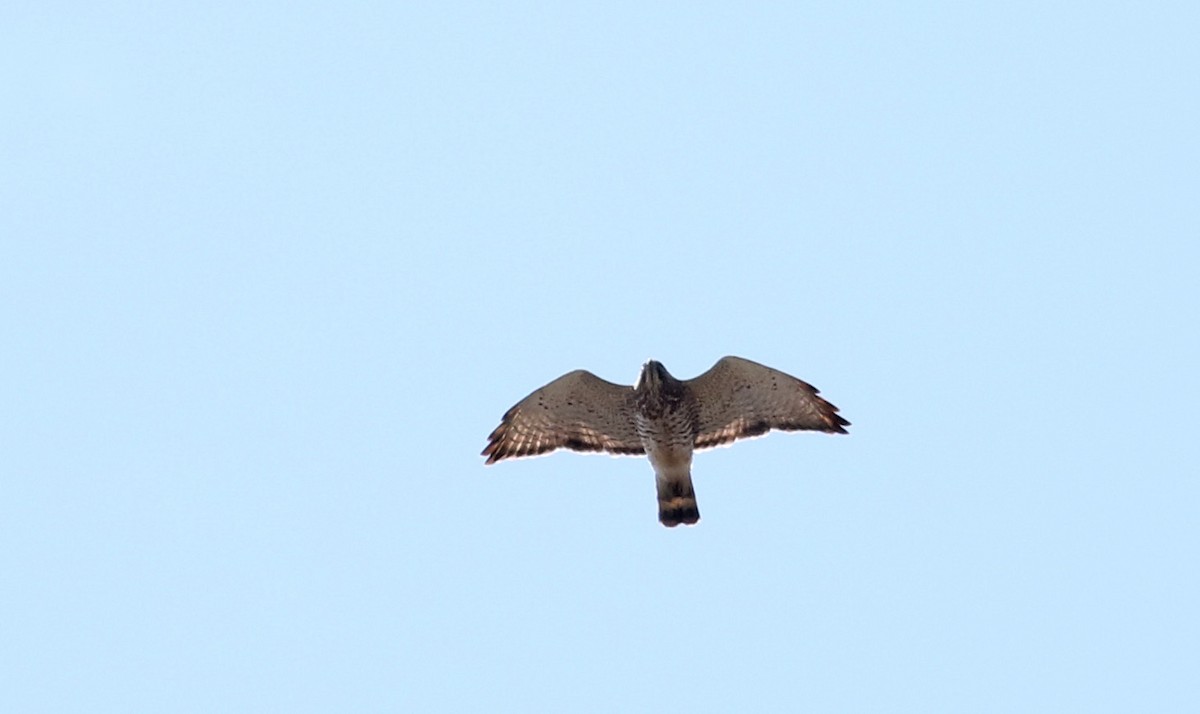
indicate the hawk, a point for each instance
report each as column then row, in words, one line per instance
column 662, row 418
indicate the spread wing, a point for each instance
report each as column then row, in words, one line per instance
column 577, row 411
column 739, row 398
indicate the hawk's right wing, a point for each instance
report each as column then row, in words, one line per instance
column 577, row 411
column 738, row 398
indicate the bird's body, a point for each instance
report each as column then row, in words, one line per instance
column 667, row 418
column 663, row 418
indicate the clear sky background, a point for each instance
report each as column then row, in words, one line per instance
column 271, row 273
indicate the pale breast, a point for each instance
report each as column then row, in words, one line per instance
column 668, row 439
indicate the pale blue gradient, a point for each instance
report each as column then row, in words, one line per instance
column 271, row 273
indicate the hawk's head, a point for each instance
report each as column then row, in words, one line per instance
column 657, row 391
column 654, row 377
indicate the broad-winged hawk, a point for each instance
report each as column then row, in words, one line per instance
column 663, row 418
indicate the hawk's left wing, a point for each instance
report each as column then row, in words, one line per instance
column 577, row 411
column 738, row 398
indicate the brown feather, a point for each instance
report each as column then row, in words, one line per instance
column 741, row 399
column 577, row 411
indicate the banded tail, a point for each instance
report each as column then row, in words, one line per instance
column 677, row 501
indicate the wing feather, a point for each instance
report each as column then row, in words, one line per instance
column 739, row 399
column 577, row 411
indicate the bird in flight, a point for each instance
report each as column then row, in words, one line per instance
column 662, row 418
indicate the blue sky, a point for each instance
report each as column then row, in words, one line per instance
column 271, row 274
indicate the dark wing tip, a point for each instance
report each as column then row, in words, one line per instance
column 499, row 445
column 837, row 424
column 503, row 444
column 492, row 452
